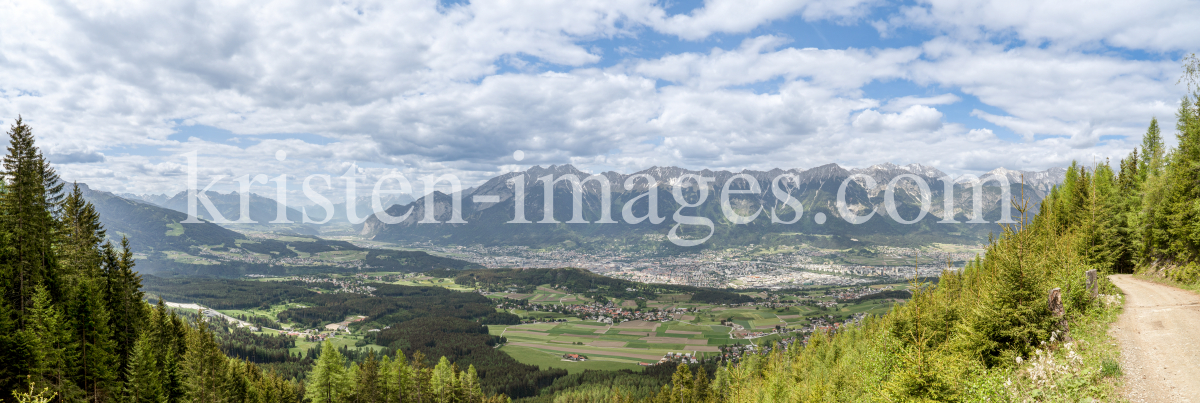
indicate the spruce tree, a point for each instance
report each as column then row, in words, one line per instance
column 123, row 296
column 1153, row 150
column 82, row 238
column 28, row 211
column 96, row 365
column 144, row 380
column 203, row 365
column 52, row 346
column 16, row 352
column 1183, row 212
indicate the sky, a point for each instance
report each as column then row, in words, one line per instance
column 119, row 92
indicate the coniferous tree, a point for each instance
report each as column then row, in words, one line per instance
column 168, row 341
column 203, row 366
column 442, row 381
column 144, row 380
column 52, row 347
column 16, row 351
column 72, row 319
column 1183, row 211
column 367, row 385
column 28, row 210
column 95, row 371
column 470, row 385
column 328, row 382
column 123, row 297
column 82, row 237
column 1153, row 151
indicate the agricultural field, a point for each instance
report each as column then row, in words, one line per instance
column 269, row 313
column 695, row 327
column 620, row 346
column 426, row 281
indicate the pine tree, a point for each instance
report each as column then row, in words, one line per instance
column 168, row 347
column 367, row 385
column 442, row 381
column 93, row 340
column 28, row 211
column 51, row 344
column 327, row 382
column 144, row 380
column 470, row 385
column 1153, row 151
column 203, row 366
column 1183, row 212
column 82, row 237
column 16, row 352
column 123, row 297
column 388, row 375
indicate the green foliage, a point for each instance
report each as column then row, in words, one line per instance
column 386, row 380
column 328, row 381
column 984, row 333
column 72, row 318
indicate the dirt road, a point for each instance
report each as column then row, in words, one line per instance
column 1159, row 333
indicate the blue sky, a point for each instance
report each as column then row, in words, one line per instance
column 119, row 92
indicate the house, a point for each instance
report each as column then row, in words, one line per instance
column 574, row 357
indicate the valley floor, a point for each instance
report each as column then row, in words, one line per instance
column 1160, row 346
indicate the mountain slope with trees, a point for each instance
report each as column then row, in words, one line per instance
column 74, row 326
column 1021, row 324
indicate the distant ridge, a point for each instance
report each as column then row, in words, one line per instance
column 816, row 189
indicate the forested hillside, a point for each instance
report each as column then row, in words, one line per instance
column 584, row 282
column 990, row 332
column 432, row 320
column 153, row 228
column 74, row 326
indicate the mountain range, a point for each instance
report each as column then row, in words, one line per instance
column 167, row 245
column 488, row 208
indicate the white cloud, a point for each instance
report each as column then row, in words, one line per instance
column 916, row 118
column 414, row 86
column 1048, row 92
column 732, row 16
column 1159, row 26
column 902, row 103
column 760, row 59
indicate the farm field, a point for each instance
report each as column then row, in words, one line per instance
column 553, row 359
column 610, row 347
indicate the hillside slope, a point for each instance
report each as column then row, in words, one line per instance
column 152, row 228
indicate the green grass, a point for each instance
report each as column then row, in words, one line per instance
column 174, row 229
column 302, row 346
column 551, row 359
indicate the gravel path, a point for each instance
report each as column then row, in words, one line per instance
column 1159, row 333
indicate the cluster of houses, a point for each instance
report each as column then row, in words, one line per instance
column 603, row 313
column 856, row 292
column 679, row 358
column 574, row 357
column 354, row 286
column 825, row 323
column 735, row 352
